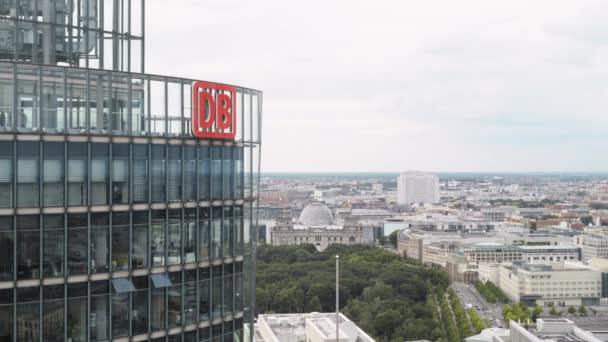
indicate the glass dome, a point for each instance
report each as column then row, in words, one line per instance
column 316, row 214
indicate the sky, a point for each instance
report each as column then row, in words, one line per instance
column 403, row 85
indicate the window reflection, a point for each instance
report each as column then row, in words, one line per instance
column 204, row 304
column 120, row 173
column 99, row 173
column 216, row 233
column 189, row 173
column 216, row 291
column 6, row 314
column 140, row 173
column 139, row 308
column 28, row 246
column 77, row 173
column 53, row 238
column 6, row 174
column 204, row 173
column 216, row 172
column 100, row 242
column 7, row 244
column 28, row 314
column 77, row 312
column 77, row 243
column 158, row 173
column 120, row 241
column 157, row 236
column 174, row 299
column 53, row 313
column 174, row 174
column 174, row 244
column 53, row 172
column 28, row 173
column 139, row 254
column 100, row 311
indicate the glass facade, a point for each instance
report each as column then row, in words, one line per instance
column 115, row 220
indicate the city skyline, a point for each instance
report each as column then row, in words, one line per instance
column 392, row 86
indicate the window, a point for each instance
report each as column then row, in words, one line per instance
column 227, row 232
column 158, row 173
column 99, row 173
column 120, row 306
column 28, row 173
column 52, row 328
column 189, row 165
column 139, row 307
column 77, row 173
column 139, row 247
column 174, row 174
column 204, row 173
column 228, row 289
column 28, row 314
column 6, row 172
column 100, row 311
column 6, row 314
column 140, row 173
column 203, row 293
column 216, row 291
column 216, row 173
column 157, row 236
column 78, row 243
column 190, row 299
column 120, row 241
column 174, row 239
column 227, row 176
column 238, row 172
column 100, row 242
column 77, row 312
column 174, row 299
column 28, row 247
column 120, row 173
column 6, row 248
column 216, row 233
column 189, row 235
column 53, row 238
column 203, row 234
column 52, row 176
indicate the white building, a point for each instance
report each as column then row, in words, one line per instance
column 417, row 187
column 546, row 329
column 551, row 282
column 316, row 226
column 593, row 245
column 310, row 327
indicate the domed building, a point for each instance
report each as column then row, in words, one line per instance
column 316, row 225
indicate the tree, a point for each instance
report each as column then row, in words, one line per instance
column 571, row 310
column 313, row 305
column 393, row 238
column 386, row 322
column 536, row 312
column 553, row 311
column 582, row 310
column 586, row 220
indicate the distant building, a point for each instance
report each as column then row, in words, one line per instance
column 544, row 283
column 308, row 327
column 460, row 269
column 496, row 253
column 378, row 188
column 545, row 329
column 316, row 226
column 593, row 245
column 417, row 187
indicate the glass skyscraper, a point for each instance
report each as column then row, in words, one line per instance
column 117, row 221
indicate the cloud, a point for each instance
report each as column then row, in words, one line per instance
column 395, row 85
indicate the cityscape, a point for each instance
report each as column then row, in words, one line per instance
column 390, row 171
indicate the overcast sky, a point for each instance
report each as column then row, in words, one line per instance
column 398, row 85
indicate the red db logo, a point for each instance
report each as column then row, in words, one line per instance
column 213, row 110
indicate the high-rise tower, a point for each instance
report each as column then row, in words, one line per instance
column 126, row 199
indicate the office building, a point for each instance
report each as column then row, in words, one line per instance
column 308, row 327
column 552, row 282
column 417, row 187
column 125, row 208
column 545, row 329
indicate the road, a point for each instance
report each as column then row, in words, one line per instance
column 467, row 293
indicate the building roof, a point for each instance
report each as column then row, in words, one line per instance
column 316, row 214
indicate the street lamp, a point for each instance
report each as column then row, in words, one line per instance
column 337, row 298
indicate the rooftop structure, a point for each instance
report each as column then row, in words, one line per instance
column 308, row 327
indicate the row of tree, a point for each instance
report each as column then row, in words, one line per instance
column 449, row 325
column 461, row 316
column 490, row 292
column 379, row 291
column 476, row 321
